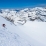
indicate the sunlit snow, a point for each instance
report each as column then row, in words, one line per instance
column 26, row 27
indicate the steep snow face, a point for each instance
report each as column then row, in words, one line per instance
column 10, row 35
column 22, row 16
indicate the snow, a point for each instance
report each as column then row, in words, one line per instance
column 28, row 14
column 36, row 31
column 24, row 28
column 11, row 35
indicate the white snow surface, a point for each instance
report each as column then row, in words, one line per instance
column 11, row 35
column 26, row 27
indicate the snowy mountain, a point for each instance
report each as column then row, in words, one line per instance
column 28, row 31
column 23, row 15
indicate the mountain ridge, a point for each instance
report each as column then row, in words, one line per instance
column 37, row 14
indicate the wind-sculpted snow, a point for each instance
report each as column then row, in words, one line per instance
column 23, row 15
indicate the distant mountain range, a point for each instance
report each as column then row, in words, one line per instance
column 37, row 14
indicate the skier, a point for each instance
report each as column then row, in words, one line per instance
column 3, row 25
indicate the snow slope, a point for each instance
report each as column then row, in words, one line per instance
column 19, row 35
column 36, row 31
column 11, row 35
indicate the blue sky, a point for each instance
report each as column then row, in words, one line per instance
column 21, row 3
